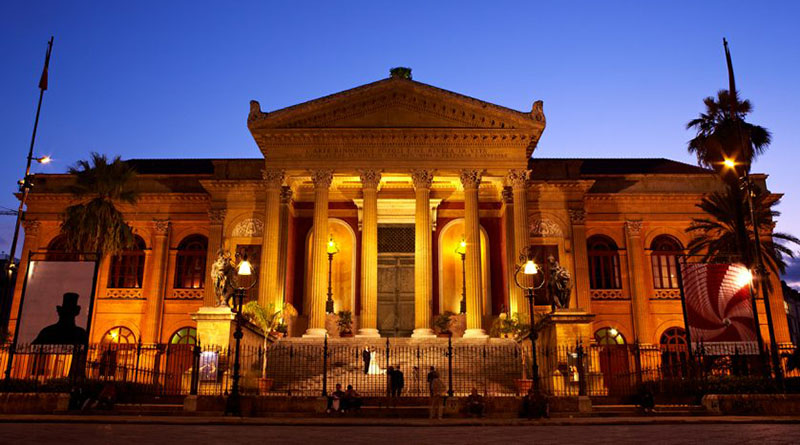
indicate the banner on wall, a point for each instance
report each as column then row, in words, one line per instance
column 719, row 312
column 56, row 302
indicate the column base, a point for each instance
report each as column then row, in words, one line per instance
column 475, row 333
column 368, row 333
column 423, row 333
column 315, row 333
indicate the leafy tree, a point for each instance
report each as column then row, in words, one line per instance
column 95, row 223
column 268, row 320
column 726, row 235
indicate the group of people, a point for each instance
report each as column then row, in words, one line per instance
column 343, row 401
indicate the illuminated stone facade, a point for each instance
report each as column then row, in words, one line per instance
column 398, row 173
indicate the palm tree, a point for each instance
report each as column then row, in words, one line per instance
column 95, row 224
column 725, row 236
column 722, row 132
column 267, row 319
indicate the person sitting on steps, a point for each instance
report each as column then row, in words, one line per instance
column 335, row 399
column 475, row 404
column 351, row 400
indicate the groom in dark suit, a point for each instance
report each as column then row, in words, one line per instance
column 366, row 357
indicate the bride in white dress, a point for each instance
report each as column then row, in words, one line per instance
column 374, row 369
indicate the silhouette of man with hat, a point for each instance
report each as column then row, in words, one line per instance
column 64, row 332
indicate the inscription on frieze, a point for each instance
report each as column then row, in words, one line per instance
column 406, row 152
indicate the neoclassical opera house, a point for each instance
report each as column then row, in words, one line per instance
column 396, row 173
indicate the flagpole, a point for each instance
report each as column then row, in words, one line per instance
column 25, row 187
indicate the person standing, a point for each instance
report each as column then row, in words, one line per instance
column 437, row 398
column 397, row 382
column 366, row 356
column 433, row 374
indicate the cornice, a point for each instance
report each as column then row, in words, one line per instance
column 143, row 197
column 694, row 197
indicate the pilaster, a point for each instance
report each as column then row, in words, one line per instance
column 268, row 292
column 639, row 297
column 577, row 218
column 155, row 286
column 216, row 220
column 519, row 186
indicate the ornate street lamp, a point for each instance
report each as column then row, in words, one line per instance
column 462, row 250
column 530, row 270
column 761, row 273
column 244, row 269
column 333, row 249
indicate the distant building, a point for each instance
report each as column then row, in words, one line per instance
column 398, row 173
column 791, row 298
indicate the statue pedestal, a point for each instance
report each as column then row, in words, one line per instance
column 563, row 330
column 215, row 326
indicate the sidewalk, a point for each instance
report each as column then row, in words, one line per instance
column 350, row 421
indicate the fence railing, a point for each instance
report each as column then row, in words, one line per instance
column 306, row 368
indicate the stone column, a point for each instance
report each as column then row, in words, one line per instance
column 639, row 298
column 319, row 257
column 519, row 182
column 368, row 322
column 510, row 251
column 283, row 251
column 216, row 219
column 581, row 257
column 423, row 264
column 155, row 286
column 471, row 179
column 268, row 287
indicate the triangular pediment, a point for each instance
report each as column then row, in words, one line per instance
column 396, row 103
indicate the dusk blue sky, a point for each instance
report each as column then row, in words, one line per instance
column 173, row 79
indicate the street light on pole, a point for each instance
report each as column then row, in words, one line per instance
column 462, row 250
column 529, row 269
column 332, row 249
column 244, row 269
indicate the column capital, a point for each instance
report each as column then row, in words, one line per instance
column 471, row 179
column 322, row 178
column 161, row 226
column 217, row 216
column 286, row 194
column 422, row 178
column 634, row 227
column 507, row 195
column 31, row 227
column 273, row 177
column 518, row 178
column 577, row 216
column 370, row 178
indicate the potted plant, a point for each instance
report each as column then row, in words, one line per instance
column 506, row 326
column 444, row 324
column 268, row 320
column 345, row 323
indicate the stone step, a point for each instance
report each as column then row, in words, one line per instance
column 633, row 410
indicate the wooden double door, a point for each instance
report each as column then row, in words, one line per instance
column 395, row 294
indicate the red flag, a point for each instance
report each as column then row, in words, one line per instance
column 43, row 80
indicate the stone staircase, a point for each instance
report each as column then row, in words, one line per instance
column 296, row 365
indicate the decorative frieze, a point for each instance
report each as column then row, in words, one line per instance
column 187, row 294
column 422, row 178
column 666, row 294
column 608, row 294
column 471, row 178
column 545, row 228
column 248, row 228
column 123, row 294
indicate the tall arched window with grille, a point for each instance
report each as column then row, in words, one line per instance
column 57, row 250
column 603, row 263
column 674, row 352
column 127, row 268
column 190, row 262
column 664, row 258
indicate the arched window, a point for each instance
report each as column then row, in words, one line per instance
column 119, row 335
column 190, row 262
column 184, row 336
column 127, row 268
column 674, row 352
column 609, row 337
column 603, row 263
column 664, row 260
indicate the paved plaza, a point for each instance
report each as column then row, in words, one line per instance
column 110, row 433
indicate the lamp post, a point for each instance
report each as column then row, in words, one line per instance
column 333, row 249
column 462, row 250
column 530, row 270
column 244, row 269
column 747, row 186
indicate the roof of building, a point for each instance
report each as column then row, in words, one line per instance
column 542, row 167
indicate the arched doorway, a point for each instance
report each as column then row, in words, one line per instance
column 674, row 353
column 613, row 355
column 180, row 355
column 117, row 353
column 451, row 268
column 343, row 266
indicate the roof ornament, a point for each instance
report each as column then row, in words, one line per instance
column 537, row 111
column 401, row 72
column 255, row 111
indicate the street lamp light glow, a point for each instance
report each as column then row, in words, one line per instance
column 245, row 269
column 44, row 159
column 729, row 163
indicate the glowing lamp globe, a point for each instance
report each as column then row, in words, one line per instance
column 530, row 268
column 245, row 269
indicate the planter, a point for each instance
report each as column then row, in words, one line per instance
column 265, row 385
column 523, row 386
column 444, row 334
column 345, row 334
